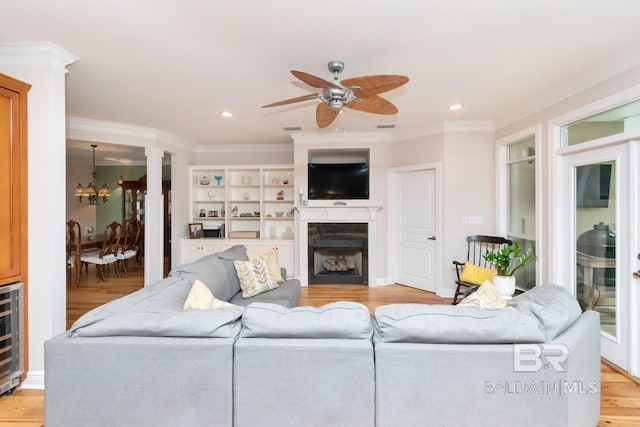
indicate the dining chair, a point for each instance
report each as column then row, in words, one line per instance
column 130, row 244
column 73, row 250
column 107, row 255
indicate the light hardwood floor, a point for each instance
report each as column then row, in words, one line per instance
column 620, row 403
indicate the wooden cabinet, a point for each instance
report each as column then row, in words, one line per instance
column 133, row 206
column 13, row 185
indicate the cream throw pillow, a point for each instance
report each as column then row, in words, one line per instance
column 200, row 297
column 485, row 297
column 271, row 259
column 254, row 276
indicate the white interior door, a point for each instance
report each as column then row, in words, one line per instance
column 601, row 217
column 414, row 228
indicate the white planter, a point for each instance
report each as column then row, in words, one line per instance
column 505, row 285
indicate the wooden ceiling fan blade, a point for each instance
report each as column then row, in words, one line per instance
column 375, row 84
column 292, row 100
column 373, row 104
column 314, row 81
column 325, row 115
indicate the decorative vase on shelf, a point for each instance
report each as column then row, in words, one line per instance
column 218, row 179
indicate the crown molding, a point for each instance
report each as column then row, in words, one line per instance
column 35, row 53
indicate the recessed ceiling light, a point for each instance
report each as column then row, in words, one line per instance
column 226, row 114
column 455, row 107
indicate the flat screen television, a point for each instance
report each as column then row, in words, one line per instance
column 338, row 181
column 592, row 186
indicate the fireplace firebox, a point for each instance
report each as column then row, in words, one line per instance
column 338, row 253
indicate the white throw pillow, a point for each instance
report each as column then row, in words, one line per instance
column 271, row 259
column 200, row 297
column 485, row 297
column 255, row 277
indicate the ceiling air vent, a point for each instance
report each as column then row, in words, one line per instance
column 292, row 128
column 385, row 126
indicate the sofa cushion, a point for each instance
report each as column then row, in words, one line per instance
column 344, row 319
column 286, row 294
column 422, row 323
column 201, row 298
column 211, row 271
column 552, row 305
column 234, row 253
column 271, row 259
column 155, row 311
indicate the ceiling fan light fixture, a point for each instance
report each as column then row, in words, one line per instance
column 336, row 104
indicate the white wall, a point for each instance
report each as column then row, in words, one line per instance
column 467, row 153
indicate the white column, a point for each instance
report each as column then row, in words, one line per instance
column 43, row 65
column 153, row 218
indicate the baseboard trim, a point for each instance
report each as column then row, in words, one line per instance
column 34, row 380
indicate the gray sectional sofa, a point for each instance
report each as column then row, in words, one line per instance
column 143, row 361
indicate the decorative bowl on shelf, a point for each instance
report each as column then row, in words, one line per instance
column 279, row 214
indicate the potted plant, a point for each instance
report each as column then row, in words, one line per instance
column 507, row 261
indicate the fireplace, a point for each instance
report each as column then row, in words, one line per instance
column 338, row 253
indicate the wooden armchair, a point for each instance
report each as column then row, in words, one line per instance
column 477, row 246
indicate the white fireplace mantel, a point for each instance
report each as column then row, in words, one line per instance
column 348, row 214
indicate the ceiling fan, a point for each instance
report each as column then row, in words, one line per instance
column 358, row 93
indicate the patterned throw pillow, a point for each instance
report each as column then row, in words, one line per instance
column 255, row 277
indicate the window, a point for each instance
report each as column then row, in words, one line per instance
column 625, row 118
column 521, row 203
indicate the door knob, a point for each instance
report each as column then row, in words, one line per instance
column 432, row 238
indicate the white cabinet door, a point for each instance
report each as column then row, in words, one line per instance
column 193, row 249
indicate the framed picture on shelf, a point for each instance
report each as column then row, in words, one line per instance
column 196, row 230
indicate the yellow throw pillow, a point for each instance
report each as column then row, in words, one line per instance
column 271, row 259
column 200, row 297
column 477, row 275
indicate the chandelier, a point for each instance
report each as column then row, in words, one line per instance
column 89, row 192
